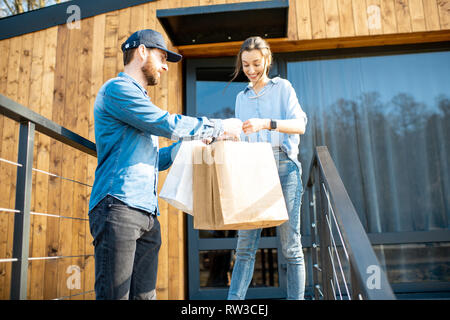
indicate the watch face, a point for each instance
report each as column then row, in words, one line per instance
column 273, row 124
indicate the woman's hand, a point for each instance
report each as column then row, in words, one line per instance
column 255, row 125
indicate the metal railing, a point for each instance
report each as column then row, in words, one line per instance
column 344, row 263
column 30, row 122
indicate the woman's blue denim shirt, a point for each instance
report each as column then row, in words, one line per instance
column 277, row 101
column 127, row 126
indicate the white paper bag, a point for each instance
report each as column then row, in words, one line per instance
column 177, row 188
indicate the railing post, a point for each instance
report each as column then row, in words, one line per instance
column 325, row 242
column 356, row 292
column 19, row 273
column 314, row 235
column 314, row 241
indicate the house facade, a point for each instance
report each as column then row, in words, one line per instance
column 372, row 75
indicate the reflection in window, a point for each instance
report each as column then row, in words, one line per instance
column 416, row 262
column 266, row 232
column 216, row 99
column 205, row 234
column 216, row 267
column 385, row 120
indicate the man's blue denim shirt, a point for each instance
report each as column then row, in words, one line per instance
column 127, row 126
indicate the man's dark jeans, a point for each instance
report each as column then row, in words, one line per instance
column 127, row 243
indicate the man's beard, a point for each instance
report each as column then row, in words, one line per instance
column 150, row 73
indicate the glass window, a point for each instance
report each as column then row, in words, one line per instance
column 416, row 262
column 385, row 120
column 266, row 232
column 216, row 99
column 216, row 267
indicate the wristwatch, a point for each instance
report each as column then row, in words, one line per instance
column 273, row 124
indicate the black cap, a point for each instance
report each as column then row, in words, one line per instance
column 151, row 39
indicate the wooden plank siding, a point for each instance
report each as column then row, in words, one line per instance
column 57, row 72
column 9, row 152
column 331, row 24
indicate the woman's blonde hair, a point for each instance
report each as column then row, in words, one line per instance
column 249, row 44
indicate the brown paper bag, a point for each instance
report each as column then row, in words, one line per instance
column 236, row 186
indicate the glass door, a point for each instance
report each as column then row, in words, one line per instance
column 211, row 253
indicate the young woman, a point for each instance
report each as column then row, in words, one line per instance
column 271, row 113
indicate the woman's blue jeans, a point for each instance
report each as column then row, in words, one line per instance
column 289, row 232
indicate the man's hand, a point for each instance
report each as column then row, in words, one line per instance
column 255, row 125
column 207, row 140
column 232, row 129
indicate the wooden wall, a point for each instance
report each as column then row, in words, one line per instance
column 57, row 73
column 330, row 24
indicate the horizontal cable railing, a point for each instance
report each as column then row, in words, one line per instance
column 30, row 122
column 345, row 266
column 48, row 258
column 42, row 214
column 74, row 295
